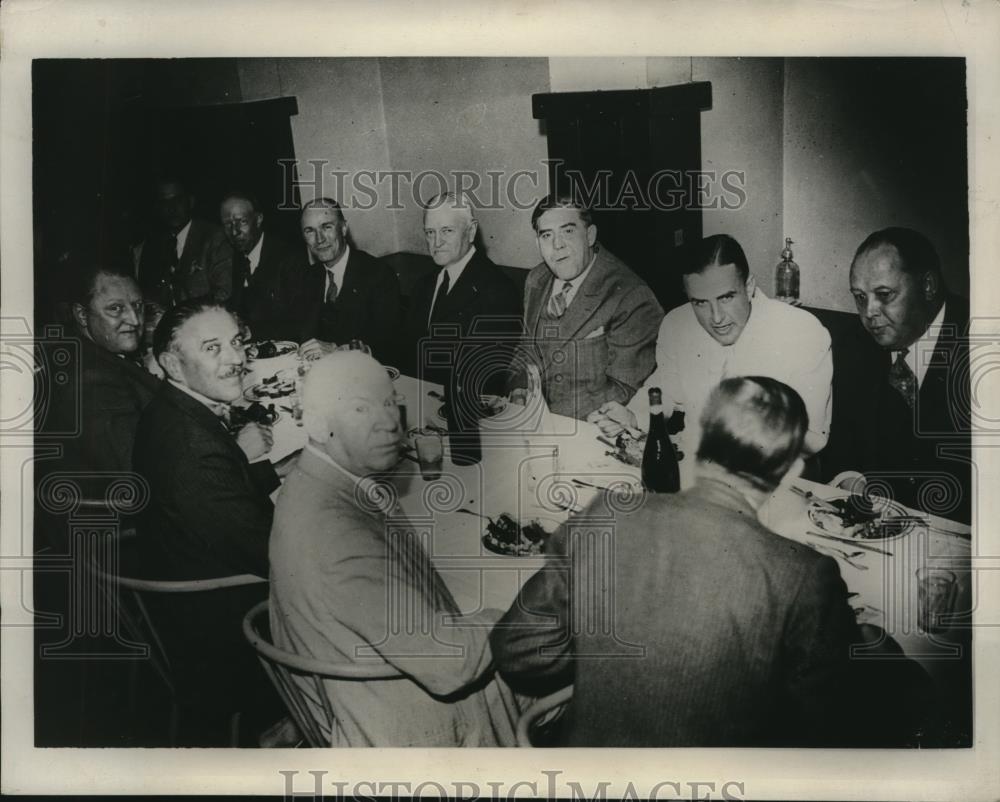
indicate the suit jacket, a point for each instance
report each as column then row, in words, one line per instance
column 923, row 455
column 209, row 514
column 602, row 348
column 102, row 402
column 483, row 304
column 368, row 307
column 713, row 631
column 269, row 303
column 205, row 266
column 336, row 564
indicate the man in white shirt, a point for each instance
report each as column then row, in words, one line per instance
column 729, row 328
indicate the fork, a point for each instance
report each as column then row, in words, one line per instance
column 839, row 554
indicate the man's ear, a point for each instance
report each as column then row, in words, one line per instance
column 751, row 284
column 591, row 235
column 931, row 286
column 473, row 228
column 260, row 219
column 80, row 315
column 171, row 365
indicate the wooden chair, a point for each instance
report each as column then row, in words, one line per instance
column 282, row 667
column 543, row 712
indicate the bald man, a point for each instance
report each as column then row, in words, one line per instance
column 336, row 545
column 466, row 297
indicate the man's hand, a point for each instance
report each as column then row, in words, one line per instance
column 255, row 440
column 613, row 418
column 314, row 349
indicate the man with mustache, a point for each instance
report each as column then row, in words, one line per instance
column 351, row 581
column 267, row 272
column 208, row 516
column 109, row 389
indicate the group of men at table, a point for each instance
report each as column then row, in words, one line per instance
column 743, row 638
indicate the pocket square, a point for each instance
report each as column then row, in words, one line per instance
column 598, row 332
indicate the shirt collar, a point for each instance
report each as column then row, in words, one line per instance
column 455, row 270
column 574, row 283
column 182, row 236
column 254, row 256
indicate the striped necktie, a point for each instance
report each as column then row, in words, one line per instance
column 331, row 288
column 557, row 303
column 902, row 380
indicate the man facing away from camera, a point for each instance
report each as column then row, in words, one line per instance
column 717, row 631
column 351, row 581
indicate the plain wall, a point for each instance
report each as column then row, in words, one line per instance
column 871, row 143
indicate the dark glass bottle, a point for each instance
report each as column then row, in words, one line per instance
column 660, row 473
column 463, row 422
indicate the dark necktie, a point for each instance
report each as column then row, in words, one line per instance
column 901, row 379
column 437, row 310
column 331, row 290
column 557, row 303
column 241, row 270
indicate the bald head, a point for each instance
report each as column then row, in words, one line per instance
column 349, row 410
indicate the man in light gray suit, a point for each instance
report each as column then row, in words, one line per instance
column 591, row 322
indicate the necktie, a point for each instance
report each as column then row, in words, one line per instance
column 901, row 379
column 331, row 289
column 442, row 293
column 171, row 253
column 557, row 303
column 241, row 270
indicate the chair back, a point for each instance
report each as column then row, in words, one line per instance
column 544, row 711
column 282, row 667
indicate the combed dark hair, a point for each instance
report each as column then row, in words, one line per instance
column 562, row 200
column 177, row 316
column 753, row 427
column 325, row 203
column 240, row 194
column 719, row 249
column 85, row 280
column 916, row 252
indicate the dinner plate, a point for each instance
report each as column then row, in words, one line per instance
column 543, row 528
column 881, row 528
column 281, row 385
column 490, row 407
column 282, row 347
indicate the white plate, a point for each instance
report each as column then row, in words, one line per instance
column 284, row 347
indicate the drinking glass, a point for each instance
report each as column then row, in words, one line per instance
column 936, row 591
column 430, row 453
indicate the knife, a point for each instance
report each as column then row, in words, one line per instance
column 857, row 543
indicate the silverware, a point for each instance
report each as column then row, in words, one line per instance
column 854, row 543
column 808, row 495
column 838, row 554
column 587, row 484
column 477, row 514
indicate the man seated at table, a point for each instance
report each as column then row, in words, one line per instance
column 729, row 328
column 347, row 293
column 108, row 388
column 718, row 632
column 910, row 421
column 590, row 321
column 267, row 272
column 352, row 583
column 209, row 514
column 467, row 297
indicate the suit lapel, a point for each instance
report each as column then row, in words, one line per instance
column 588, row 299
column 536, row 303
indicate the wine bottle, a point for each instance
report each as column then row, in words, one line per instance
column 463, row 421
column 786, row 276
column 660, row 472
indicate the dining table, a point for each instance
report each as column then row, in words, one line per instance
column 545, row 468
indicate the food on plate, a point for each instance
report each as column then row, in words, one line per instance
column 255, row 413
column 858, row 517
column 505, row 536
column 268, row 349
column 277, row 386
column 489, row 406
column 628, row 449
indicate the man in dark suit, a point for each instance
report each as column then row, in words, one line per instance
column 912, row 430
column 209, row 515
column 467, row 300
column 267, row 272
column 590, row 322
column 108, row 388
column 688, row 623
column 348, row 294
column 183, row 257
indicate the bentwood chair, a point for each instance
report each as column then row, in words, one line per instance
column 283, row 667
column 542, row 713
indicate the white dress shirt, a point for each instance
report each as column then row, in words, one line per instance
column 182, row 236
column 919, row 355
column 454, row 272
column 338, row 270
column 574, row 284
column 254, row 256
column 779, row 341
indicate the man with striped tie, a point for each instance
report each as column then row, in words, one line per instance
column 591, row 322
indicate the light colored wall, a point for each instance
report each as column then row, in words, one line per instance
column 852, row 166
column 474, row 115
